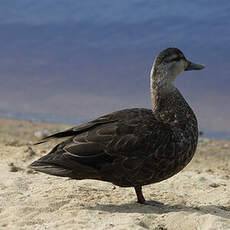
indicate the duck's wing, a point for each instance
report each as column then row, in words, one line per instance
column 78, row 129
column 121, row 136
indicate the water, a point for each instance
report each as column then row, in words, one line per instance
column 75, row 60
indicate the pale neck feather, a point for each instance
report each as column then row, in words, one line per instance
column 161, row 83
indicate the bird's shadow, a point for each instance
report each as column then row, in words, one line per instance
column 160, row 208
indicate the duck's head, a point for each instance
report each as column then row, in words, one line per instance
column 169, row 64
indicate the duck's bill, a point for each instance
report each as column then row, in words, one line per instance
column 194, row 66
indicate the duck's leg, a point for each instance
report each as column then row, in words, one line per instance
column 140, row 197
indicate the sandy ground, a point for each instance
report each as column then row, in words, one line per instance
column 196, row 198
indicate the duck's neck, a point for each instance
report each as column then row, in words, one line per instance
column 160, row 88
column 169, row 105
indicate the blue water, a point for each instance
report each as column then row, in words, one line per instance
column 75, row 60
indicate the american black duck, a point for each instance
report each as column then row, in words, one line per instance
column 132, row 147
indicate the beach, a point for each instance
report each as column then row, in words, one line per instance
column 197, row 198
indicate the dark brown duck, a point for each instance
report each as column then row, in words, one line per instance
column 132, row 147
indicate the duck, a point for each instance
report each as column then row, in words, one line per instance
column 136, row 146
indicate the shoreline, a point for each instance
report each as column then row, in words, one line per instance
column 209, row 135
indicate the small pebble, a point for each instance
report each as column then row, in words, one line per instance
column 30, row 151
column 210, row 171
column 214, row 185
column 14, row 168
column 30, row 171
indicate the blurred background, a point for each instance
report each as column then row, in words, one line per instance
column 71, row 61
